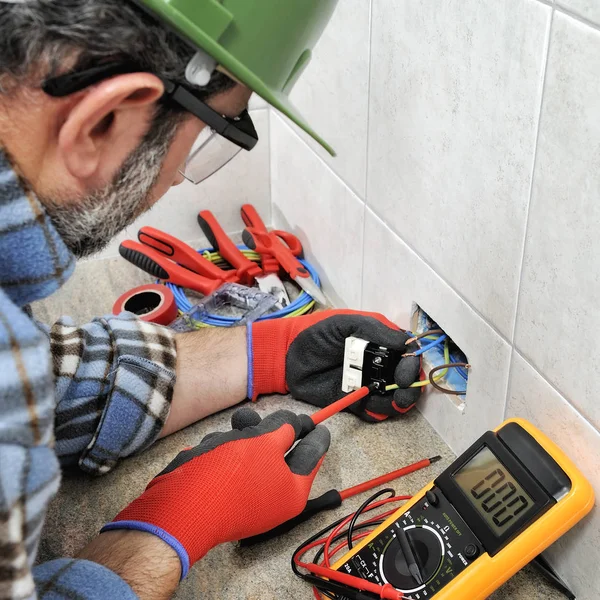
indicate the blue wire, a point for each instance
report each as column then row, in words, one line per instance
column 437, row 342
column 463, row 373
column 218, row 321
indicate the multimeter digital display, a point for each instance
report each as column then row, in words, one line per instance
column 498, row 497
column 507, row 498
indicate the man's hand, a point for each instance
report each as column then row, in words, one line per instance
column 232, row 486
column 305, row 356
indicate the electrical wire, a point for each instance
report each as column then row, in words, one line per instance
column 301, row 306
column 463, row 373
column 425, row 382
column 434, row 383
column 335, row 532
column 443, row 371
column 438, row 341
column 424, row 335
column 362, row 509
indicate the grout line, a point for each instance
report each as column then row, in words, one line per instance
column 364, row 243
column 370, row 69
column 444, row 280
column 397, row 234
column 364, row 247
column 577, row 17
column 556, row 389
column 321, row 159
column 528, row 212
column 441, row 277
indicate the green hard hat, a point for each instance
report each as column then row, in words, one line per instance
column 265, row 44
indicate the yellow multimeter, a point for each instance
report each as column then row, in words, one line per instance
column 497, row 507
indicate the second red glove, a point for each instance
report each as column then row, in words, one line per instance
column 304, row 356
column 232, row 486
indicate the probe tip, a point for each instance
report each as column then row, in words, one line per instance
column 434, row 459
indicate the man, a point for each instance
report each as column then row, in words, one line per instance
column 101, row 102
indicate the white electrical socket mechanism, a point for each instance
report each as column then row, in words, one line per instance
column 354, row 356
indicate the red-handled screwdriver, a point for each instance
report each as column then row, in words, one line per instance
column 334, row 499
column 336, row 407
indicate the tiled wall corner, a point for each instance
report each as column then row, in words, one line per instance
column 576, row 554
column 315, row 204
column 394, row 278
column 588, row 9
column 481, row 205
column 244, row 179
column 455, row 96
column 559, row 311
column 333, row 93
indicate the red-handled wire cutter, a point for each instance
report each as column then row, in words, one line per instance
column 266, row 277
column 165, row 257
column 284, row 249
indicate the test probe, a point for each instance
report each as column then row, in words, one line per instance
column 334, row 499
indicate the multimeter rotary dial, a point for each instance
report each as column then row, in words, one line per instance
column 428, row 548
column 440, row 546
column 511, row 484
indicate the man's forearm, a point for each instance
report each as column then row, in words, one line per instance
column 212, row 375
column 150, row 566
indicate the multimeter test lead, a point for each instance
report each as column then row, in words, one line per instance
column 334, row 499
column 500, row 504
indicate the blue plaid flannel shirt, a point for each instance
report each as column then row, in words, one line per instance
column 87, row 395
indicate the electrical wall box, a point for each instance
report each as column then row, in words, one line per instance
column 366, row 363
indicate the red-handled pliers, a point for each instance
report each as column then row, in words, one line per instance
column 248, row 271
column 281, row 246
column 165, row 257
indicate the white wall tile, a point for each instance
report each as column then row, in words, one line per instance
column 395, row 277
column 312, row 202
column 576, row 554
column 455, row 96
column 588, row 9
column 256, row 103
column 244, row 179
column 333, row 92
column 558, row 316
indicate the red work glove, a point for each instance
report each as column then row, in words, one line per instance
column 305, row 356
column 232, row 486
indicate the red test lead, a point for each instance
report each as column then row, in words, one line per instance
column 386, row 592
column 333, row 499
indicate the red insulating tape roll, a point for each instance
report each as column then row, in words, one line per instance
column 152, row 303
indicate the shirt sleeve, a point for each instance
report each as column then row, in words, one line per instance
column 65, row 579
column 114, row 384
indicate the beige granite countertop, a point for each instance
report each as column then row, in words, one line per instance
column 359, row 452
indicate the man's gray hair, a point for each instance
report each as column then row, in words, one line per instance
column 39, row 37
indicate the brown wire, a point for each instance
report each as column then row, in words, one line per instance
column 441, row 368
column 422, row 335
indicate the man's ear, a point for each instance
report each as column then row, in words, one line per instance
column 106, row 123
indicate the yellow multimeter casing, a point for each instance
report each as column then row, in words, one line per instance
column 483, row 573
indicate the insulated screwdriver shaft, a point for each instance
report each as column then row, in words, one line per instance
column 333, row 499
column 373, row 483
column 340, row 405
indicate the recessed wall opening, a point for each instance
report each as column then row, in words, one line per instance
column 439, row 349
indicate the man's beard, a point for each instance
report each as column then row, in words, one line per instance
column 87, row 225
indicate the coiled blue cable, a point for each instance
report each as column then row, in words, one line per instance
column 303, row 300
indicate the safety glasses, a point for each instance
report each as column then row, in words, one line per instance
column 220, row 141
